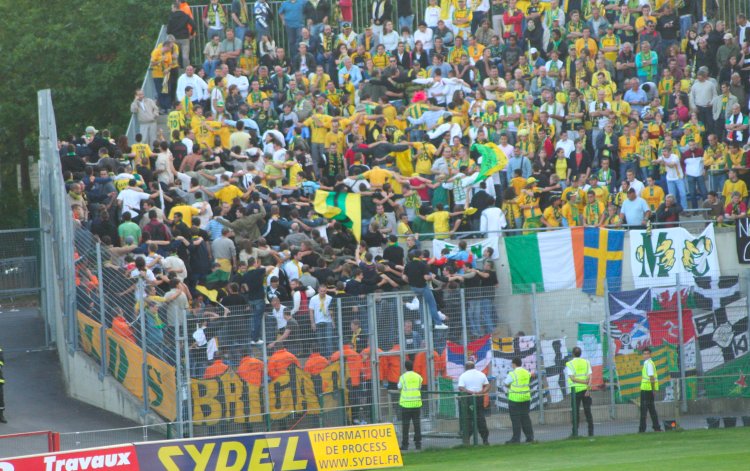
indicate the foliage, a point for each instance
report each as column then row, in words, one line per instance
column 91, row 54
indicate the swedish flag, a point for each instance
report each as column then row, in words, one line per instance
column 602, row 259
column 345, row 208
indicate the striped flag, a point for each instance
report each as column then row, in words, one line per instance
column 504, row 349
column 630, row 366
column 345, row 208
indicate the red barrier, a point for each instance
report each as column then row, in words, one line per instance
column 118, row 458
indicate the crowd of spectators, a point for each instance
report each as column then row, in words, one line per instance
column 609, row 114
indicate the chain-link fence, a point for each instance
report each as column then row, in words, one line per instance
column 300, row 359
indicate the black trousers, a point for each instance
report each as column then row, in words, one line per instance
column 648, row 407
column 520, row 420
column 2, row 397
column 586, row 400
column 468, row 407
column 411, row 415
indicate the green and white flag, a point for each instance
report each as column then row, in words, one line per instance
column 475, row 249
column 590, row 343
column 658, row 255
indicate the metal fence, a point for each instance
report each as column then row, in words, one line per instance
column 360, row 19
column 306, row 374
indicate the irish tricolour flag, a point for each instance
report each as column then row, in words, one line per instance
column 549, row 260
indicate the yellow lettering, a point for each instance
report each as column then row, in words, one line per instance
column 260, row 454
column 226, row 450
column 165, row 455
column 206, row 408
column 289, row 463
column 201, row 457
column 234, row 405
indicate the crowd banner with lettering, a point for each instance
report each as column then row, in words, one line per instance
column 475, row 249
column 742, row 236
column 229, row 397
column 658, row 255
column 124, row 360
column 117, row 458
column 330, row 449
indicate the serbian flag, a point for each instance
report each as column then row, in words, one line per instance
column 479, row 351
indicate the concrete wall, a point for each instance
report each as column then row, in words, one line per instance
column 560, row 311
column 81, row 376
column 83, row 384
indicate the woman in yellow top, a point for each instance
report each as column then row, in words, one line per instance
column 562, row 170
column 403, row 230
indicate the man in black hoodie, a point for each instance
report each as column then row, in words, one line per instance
column 182, row 27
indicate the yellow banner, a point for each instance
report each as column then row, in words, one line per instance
column 230, row 397
column 124, row 359
column 364, row 447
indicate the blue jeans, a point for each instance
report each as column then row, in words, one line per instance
column 292, row 37
column 407, row 21
column 257, row 306
column 429, row 299
column 162, row 99
column 210, row 67
column 324, row 336
column 677, row 189
column 260, row 31
column 696, row 185
column 716, row 181
column 474, row 315
column 239, row 32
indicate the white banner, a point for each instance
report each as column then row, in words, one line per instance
column 656, row 257
column 476, row 248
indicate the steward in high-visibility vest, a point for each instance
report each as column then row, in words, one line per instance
column 410, row 385
column 578, row 372
column 649, row 384
column 518, row 384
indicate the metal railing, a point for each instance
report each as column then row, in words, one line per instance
column 149, row 89
column 360, row 19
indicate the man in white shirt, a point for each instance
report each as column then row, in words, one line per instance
column 322, row 320
column 130, row 199
column 695, row 171
column 473, row 382
column 635, row 184
column 675, row 175
column 424, row 34
column 189, row 79
column 566, row 144
column 492, row 220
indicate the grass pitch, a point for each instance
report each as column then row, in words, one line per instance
column 719, row 449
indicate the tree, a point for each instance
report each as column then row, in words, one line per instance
column 91, row 54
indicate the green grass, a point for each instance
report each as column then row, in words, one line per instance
column 705, row 450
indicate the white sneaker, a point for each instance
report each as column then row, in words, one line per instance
column 259, row 342
column 441, row 327
column 253, row 342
